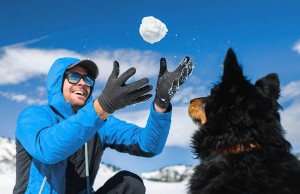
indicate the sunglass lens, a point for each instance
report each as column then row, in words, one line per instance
column 74, row 78
column 88, row 81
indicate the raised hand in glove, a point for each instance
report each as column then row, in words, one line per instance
column 168, row 83
column 117, row 94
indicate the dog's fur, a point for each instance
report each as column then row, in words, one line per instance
column 240, row 140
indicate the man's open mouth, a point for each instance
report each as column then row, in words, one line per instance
column 78, row 92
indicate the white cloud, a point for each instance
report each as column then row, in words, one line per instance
column 22, row 98
column 182, row 127
column 41, row 91
column 29, row 42
column 19, row 63
column 291, row 123
column 290, row 91
column 290, row 115
column 296, row 47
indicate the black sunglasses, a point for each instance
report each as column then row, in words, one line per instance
column 74, row 78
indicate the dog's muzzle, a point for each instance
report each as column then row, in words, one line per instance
column 196, row 111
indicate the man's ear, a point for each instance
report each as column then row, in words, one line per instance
column 270, row 85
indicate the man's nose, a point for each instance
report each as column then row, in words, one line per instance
column 81, row 82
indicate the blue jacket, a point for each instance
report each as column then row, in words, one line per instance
column 50, row 139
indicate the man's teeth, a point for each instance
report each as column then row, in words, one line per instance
column 79, row 92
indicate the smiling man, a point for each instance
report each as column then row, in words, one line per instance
column 60, row 145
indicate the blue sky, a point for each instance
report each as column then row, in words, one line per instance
column 264, row 34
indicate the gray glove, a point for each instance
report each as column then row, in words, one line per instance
column 168, row 82
column 117, row 94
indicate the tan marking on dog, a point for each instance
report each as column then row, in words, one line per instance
column 196, row 111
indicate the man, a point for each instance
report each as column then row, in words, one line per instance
column 59, row 145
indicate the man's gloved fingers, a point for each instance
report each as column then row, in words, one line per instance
column 115, row 72
column 141, row 91
column 183, row 76
column 186, row 72
column 142, row 98
column 137, row 84
column 163, row 66
column 190, row 67
column 126, row 75
column 186, row 59
column 184, row 63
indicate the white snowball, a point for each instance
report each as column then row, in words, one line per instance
column 152, row 30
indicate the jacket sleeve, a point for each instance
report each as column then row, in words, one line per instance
column 145, row 141
column 50, row 141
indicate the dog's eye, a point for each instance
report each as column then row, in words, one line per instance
column 204, row 105
column 204, row 101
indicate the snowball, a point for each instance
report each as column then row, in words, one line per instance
column 152, row 30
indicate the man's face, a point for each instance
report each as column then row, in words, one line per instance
column 78, row 93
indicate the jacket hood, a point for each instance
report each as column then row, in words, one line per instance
column 54, row 86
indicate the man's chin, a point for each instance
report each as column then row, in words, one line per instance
column 77, row 105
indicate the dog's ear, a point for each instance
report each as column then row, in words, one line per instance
column 232, row 72
column 270, row 85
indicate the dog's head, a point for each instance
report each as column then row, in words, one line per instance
column 237, row 116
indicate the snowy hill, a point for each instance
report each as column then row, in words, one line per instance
column 7, row 155
column 176, row 173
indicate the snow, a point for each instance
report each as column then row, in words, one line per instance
column 152, row 29
column 7, row 155
column 152, row 187
column 160, row 187
column 7, row 182
column 175, row 173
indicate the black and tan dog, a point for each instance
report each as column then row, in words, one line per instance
column 240, row 140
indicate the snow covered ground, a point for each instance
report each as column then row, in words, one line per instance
column 7, row 182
